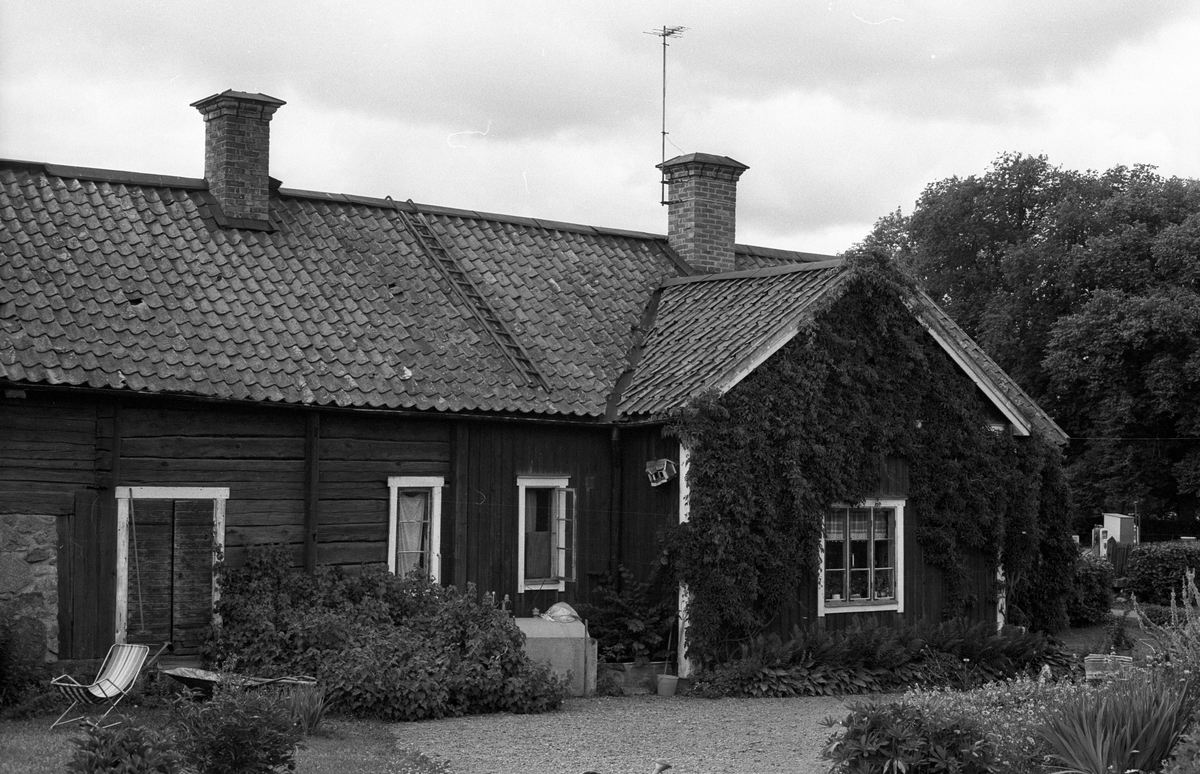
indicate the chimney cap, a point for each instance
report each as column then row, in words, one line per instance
column 244, row 96
column 703, row 158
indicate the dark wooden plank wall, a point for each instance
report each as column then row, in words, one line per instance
column 258, row 453
column 47, row 452
column 485, row 495
column 357, row 455
column 646, row 511
column 53, row 458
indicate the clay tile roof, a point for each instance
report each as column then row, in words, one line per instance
column 340, row 293
column 710, row 331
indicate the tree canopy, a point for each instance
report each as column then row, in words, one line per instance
column 1085, row 287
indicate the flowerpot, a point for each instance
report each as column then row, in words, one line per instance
column 667, row 685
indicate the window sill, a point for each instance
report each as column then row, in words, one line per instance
column 859, row 607
column 543, row 585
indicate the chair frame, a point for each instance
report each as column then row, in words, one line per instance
column 117, row 676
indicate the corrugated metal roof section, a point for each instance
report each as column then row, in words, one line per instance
column 133, row 286
column 710, row 331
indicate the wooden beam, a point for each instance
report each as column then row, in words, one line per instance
column 459, row 482
column 312, row 481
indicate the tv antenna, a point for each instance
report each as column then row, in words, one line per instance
column 665, row 33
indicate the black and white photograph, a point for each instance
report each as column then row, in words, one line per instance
column 404, row 387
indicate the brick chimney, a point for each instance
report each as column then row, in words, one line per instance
column 702, row 198
column 237, row 142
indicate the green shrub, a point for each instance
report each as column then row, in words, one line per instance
column 22, row 666
column 382, row 646
column 1177, row 645
column 631, row 620
column 1130, row 725
column 1010, row 712
column 1157, row 569
column 1185, row 758
column 123, row 749
column 866, row 659
column 236, row 732
column 1091, row 600
column 899, row 737
column 1155, row 615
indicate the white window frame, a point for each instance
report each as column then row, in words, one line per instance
column 867, row 607
column 558, row 483
column 219, row 496
column 434, row 485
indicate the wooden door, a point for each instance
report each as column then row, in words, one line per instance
column 170, row 572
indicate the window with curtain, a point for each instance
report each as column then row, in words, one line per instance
column 862, row 557
column 414, row 528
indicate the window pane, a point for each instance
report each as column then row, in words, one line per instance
column 412, row 530
column 539, row 544
column 883, row 523
column 884, row 588
column 859, row 522
column 860, row 584
column 835, row 585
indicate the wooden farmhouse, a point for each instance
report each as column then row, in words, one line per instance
column 192, row 366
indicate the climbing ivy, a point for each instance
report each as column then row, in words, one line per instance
column 809, row 428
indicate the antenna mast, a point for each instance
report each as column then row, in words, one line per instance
column 664, row 33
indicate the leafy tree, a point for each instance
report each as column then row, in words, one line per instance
column 1085, row 287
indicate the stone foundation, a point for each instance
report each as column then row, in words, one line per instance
column 29, row 577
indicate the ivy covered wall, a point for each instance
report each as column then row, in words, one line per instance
column 809, row 428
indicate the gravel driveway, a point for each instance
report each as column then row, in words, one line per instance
column 624, row 735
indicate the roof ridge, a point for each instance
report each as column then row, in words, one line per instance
column 769, row 271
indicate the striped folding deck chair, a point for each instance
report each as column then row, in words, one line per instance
column 117, row 675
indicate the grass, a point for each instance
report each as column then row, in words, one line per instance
column 29, row 746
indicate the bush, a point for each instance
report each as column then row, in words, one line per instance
column 631, row 622
column 1091, row 599
column 866, row 659
column 1185, row 758
column 1011, row 713
column 22, row 666
column 247, row 732
column 1157, row 569
column 901, row 737
column 1131, row 725
column 382, row 646
column 1155, row 615
column 123, row 749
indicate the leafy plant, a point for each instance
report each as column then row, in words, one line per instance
column 631, row 620
column 1185, row 758
column 125, row 748
column 22, row 667
column 237, row 731
column 307, row 705
column 899, row 737
column 1131, row 725
column 1156, row 570
column 382, row 646
column 864, row 659
column 1091, row 600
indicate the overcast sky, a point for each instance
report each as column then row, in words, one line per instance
column 843, row 109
